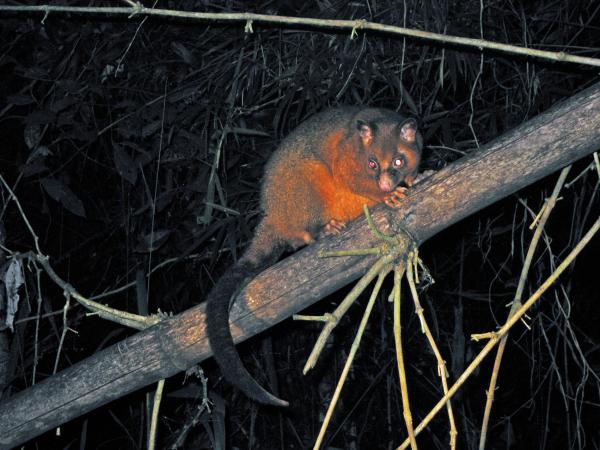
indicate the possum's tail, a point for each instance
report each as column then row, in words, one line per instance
column 263, row 252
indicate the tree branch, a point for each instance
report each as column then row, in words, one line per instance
column 137, row 9
column 520, row 157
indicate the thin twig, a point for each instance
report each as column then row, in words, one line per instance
column 38, row 273
column 516, row 304
column 29, row 227
column 124, row 318
column 333, row 319
column 400, row 358
column 355, row 345
column 155, row 409
column 294, row 22
column 442, row 372
column 505, row 328
column 64, row 332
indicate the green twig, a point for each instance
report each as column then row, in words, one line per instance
column 355, row 344
column 400, row 358
column 155, row 409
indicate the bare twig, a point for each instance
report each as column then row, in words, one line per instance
column 131, row 320
column 516, row 304
column 155, row 409
column 442, row 372
column 494, row 337
column 353, row 25
column 333, row 319
column 355, row 345
column 400, row 358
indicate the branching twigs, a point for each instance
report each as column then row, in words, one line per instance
column 334, row 318
column 128, row 319
column 131, row 320
column 353, row 25
column 442, row 372
column 355, row 344
column 516, row 304
column 391, row 249
column 394, row 251
column 192, row 419
column 494, row 337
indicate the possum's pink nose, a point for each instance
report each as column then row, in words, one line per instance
column 386, row 184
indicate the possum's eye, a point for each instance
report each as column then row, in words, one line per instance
column 373, row 164
column 398, row 162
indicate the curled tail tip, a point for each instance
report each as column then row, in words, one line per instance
column 221, row 341
column 269, row 399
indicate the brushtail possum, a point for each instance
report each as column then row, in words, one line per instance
column 319, row 177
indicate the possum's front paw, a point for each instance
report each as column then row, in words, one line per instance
column 394, row 200
column 333, row 227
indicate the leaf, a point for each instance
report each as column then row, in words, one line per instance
column 152, row 241
column 151, row 128
column 39, row 153
column 32, row 134
column 33, row 168
column 63, row 103
column 184, row 53
column 13, row 279
column 40, row 117
column 65, row 196
column 125, row 165
column 19, row 99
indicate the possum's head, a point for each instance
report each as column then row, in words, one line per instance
column 391, row 150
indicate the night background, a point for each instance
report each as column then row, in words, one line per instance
column 110, row 127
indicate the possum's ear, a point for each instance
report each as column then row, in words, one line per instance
column 408, row 131
column 365, row 131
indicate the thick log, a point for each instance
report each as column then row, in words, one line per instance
column 566, row 133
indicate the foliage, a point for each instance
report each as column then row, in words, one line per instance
column 131, row 142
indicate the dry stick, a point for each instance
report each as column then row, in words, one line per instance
column 192, row 420
column 516, row 304
column 442, row 372
column 134, row 321
column 122, row 317
column 363, row 323
column 333, row 319
column 38, row 275
column 392, row 247
column 398, row 270
column 353, row 25
column 63, row 334
column 155, row 409
column 504, row 329
column 36, row 240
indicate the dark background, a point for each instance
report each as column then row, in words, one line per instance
column 110, row 127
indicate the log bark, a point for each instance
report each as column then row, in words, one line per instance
column 543, row 145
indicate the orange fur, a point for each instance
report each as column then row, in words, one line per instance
column 320, row 173
column 320, row 177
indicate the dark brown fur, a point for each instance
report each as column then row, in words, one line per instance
column 319, row 178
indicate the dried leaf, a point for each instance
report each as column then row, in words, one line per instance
column 13, row 279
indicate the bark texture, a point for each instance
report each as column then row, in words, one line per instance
column 566, row 133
